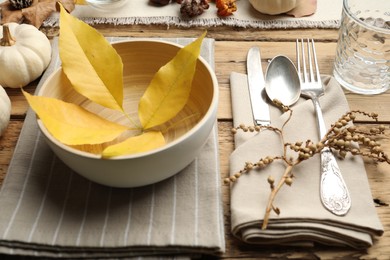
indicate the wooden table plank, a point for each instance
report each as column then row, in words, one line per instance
column 220, row 33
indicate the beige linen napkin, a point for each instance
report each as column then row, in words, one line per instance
column 47, row 210
column 327, row 15
column 303, row 219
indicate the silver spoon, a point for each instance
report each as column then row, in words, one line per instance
column 282, row 81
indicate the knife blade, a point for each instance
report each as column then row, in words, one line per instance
column 256, row 85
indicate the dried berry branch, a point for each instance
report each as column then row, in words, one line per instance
column 342, row 137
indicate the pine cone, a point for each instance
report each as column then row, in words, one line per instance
column 20, row 4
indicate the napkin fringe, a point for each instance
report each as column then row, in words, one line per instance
column 177, row 21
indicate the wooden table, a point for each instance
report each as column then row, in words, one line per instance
column 231, row 49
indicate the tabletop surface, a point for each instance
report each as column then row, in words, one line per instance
column 231, row 46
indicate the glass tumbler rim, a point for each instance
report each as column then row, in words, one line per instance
column 350, row 13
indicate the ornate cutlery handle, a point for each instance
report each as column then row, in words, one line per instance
column 334, row 193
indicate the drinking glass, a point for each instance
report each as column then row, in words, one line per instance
column 362, row 63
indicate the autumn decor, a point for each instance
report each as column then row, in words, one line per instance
column 226, row 7
column 25, row 52
column 343, row 137
column 5, row 110
column 160, row 2
column 97, row 74
column 273, row 6
column 20, row 4
column 296, row 8
column 193, row 8
column 127, row 114
column 32, row 12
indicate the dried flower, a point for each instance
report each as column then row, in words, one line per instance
column 192, row 8
column 226, row 7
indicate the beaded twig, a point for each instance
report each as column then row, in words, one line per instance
column 342, row 137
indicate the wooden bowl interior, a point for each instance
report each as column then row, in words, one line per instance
column 141, row 60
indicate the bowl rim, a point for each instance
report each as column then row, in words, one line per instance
column 213, row 107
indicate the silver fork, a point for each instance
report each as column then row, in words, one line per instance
column 333, row 191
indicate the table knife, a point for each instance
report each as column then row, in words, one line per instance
column 256, row 84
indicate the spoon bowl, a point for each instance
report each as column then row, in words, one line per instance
column 282, row 81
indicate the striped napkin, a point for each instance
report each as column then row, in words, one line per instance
column 47, row 210
column 327, row 15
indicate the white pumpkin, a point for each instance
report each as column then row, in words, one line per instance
column 5, row 110
column 273, row 6
column 25, row 52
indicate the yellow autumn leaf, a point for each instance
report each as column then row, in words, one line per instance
column 136, row 144
column 170, row 87
column 90, row 62
column 72, row 124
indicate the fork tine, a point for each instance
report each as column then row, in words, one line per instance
column 309, row 55
column 315, row 61
column 307, row 63
column 298, row 59
column 306, row 79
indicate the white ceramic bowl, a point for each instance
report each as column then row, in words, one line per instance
column 141, row 59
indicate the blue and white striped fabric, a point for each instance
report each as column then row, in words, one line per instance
column 47, row 210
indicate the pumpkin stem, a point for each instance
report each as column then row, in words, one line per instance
column 7, row 39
